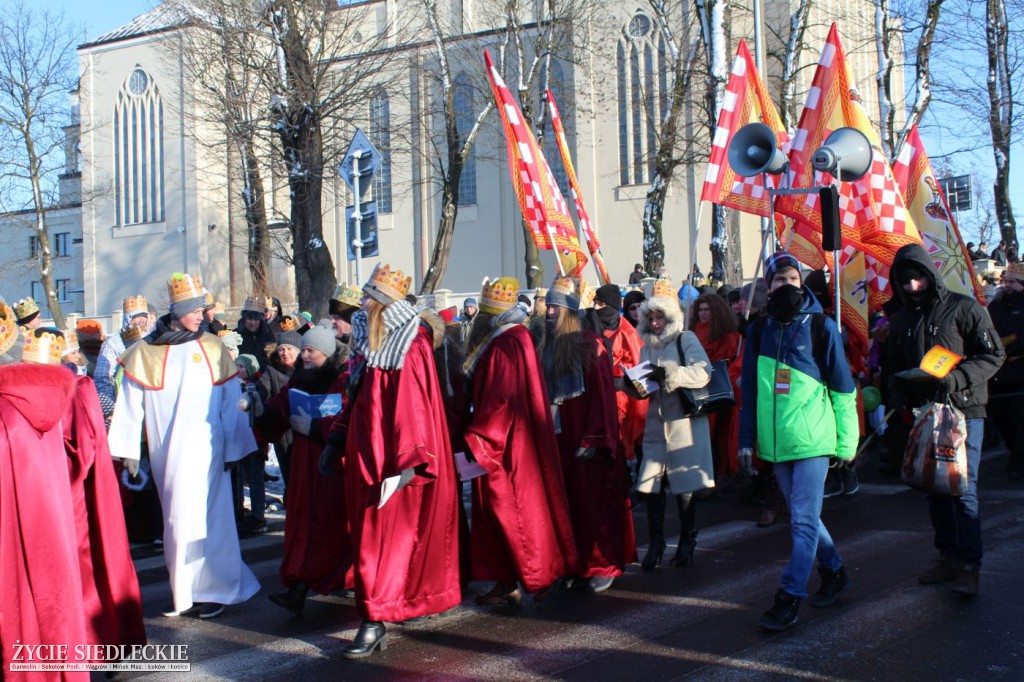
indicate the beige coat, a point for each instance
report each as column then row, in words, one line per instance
column 675, row 446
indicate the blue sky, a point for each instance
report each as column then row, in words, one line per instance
column 97, row 18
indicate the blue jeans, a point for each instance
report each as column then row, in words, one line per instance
column 253, row 465
column 957, row 521
column 802, row 483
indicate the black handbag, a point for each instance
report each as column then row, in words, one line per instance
column 716, row 396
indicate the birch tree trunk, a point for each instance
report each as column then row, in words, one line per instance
column 1000, row 100
column 791, row 63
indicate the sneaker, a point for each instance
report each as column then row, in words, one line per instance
column 211, row 610
column 784, row 613
column 171, row 612
column 600, row 583
column 833, row 483
column 966, row 580
column 848, row 476
column 944, row 571
column 833, row 584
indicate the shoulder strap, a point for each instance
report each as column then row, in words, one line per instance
column 819, row 342
column 679, row 348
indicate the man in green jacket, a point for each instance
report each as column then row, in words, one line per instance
column 799, row 409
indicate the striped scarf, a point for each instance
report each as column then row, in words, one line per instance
column 401, row 322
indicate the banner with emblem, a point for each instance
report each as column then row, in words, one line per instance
column 586, row 227
column 544, row 209
column 927, row 204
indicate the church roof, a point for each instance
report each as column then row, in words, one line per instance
column 162, row 17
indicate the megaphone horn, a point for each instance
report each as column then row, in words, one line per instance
column 754, row 150
column 846, row 149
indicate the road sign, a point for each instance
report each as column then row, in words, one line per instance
column 367, row 230
column 361, row 161
column 958, row 192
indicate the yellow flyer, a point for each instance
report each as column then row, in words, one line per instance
column 940, row 361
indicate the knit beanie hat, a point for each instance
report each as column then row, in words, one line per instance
column 610, row 295
column 779, row 261
column 290, row 338
column 248, row 366
column 320, row 339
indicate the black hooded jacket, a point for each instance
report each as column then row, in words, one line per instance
column 953, row 321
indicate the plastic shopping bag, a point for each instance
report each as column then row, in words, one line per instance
column 936, row 456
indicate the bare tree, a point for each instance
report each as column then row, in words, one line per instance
column 1000, row 111
column 793, row 44
column 37, row 72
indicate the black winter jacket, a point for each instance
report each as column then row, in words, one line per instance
column 1007, row 311
column 956, row 322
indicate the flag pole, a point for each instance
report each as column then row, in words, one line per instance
column 554, row 247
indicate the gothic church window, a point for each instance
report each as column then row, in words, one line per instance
column 641, row 62
column 380, row 136
column 138, row 151
column 464, row 120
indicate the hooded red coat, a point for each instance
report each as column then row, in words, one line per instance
column 110, row 588
column 521, row 525
column 39, row 570
column 625, row 350
column 597, row 488
column 407, row 552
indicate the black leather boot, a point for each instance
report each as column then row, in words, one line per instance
column 687, row 506
column 293, row 599
column 655, row 503
column 371, row 636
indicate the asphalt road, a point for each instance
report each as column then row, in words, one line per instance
column 672, row 623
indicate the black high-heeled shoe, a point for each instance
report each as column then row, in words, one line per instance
column 684, row 554
column 654, row 554
column 371, row 636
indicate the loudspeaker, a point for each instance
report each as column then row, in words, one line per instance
column 754, row 150
column 831, row 230
column 849, row 150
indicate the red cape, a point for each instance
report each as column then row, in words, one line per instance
column 317, row 542
column 626, row 344
column 521, row 526
column 40, row 602
column 597, row 488
column 110, row 588
column 407, row 551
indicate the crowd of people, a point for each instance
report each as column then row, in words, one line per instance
column 564, row 411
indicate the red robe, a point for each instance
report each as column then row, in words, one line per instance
column 407, row 552
column 597, row 487
column 40, row 602
column 110, row 588
column 724, row 425
column 626, row 344
column 521, row 526
column 317, row 541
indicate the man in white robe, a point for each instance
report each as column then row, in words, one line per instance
column 181, row 383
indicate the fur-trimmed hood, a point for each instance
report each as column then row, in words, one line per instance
column 669, row 307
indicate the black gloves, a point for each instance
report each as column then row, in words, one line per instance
column 657, row 375
column 328, row 458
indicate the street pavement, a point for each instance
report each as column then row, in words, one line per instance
column 696, row 623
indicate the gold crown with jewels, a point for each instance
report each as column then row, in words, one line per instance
column 392, row 283
column 347, row 295
column 498, row 296
column 288, row 324
column 587, row 294
column 184, row 287
column 256, row 304
column 8, row 327
column 663, row 287
column 43, row 347
column 135, row 305
column 130, row 335
column 25, row 307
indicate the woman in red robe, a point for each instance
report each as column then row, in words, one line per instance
column 716, row 328
column 317, row 545
column 578, row 374
column 521, row 530
column 393, row 431
column 38, row 542
column 110, row 588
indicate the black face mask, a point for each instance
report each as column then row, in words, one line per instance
column 785, row 303
column 609, row 317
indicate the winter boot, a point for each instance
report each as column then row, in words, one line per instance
column 833, row 584
column 783, row 613
column 966, row 581
column 655, row 503
column 687, row 506
column 293, row 599
column 944, row 571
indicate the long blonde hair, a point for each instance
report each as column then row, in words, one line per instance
column 375, row 331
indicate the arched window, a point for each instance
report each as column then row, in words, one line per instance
column 556, row 83
column 138, row 151
column 380, row 136
column 465, row 117
column 641, row 64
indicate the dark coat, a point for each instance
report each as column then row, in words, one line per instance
column 954, row 321
column 255, row 343
column 1007, row 312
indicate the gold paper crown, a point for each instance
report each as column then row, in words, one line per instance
column 224, row 332
column 663, row 287
column 564, row 286
column 208, row 301
column 130, row 335
column 256, row 304
column 392, row 283
column 347, row 295
column 1015, row 270
column 498, row 296
column 25, row 307
column 540, row 294
column 135, row 305
column 8, row 327
column 184, row 287
column 288, row 324
column 587, row 294
column 43, row 347
column 71, row 342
